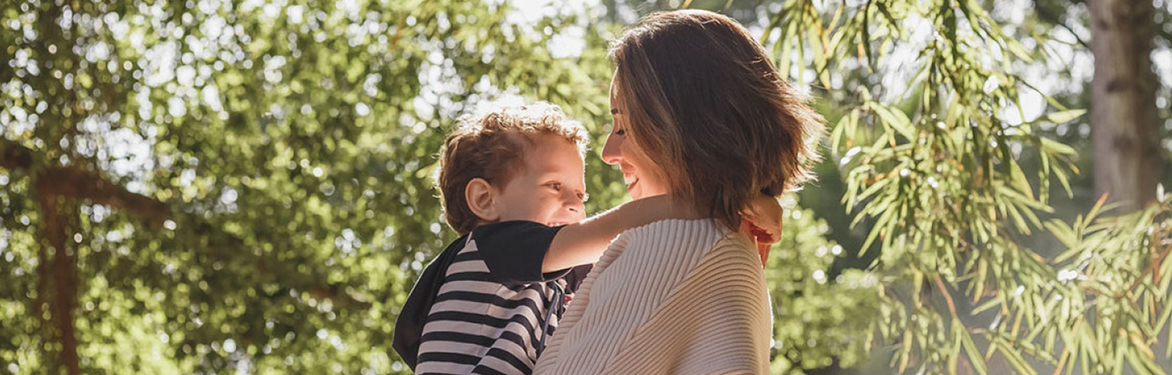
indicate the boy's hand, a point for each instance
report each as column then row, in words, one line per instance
column 762, row 222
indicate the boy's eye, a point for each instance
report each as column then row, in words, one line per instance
column 620, row 132
column 555, row 186
column 583, row 197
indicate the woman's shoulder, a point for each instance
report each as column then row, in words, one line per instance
column 682, row 241
column 735, row 252
column 676, row 232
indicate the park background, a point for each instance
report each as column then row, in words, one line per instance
column 236, row 187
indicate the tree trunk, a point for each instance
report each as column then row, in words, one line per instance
column 1123, row 106
column 58, row 273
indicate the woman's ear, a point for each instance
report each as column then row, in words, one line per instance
column 481, row 200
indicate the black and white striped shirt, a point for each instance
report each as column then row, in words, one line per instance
column 494, row 308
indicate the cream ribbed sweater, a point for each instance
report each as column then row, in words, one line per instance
column 671, row 297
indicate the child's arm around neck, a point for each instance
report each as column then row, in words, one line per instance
column 584, row 242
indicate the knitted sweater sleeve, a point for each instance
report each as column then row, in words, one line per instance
column 669, row 307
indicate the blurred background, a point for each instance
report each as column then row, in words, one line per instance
column 211, row 187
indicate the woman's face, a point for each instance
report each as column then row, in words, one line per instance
column 642, row 177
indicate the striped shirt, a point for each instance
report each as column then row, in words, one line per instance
column 494, row 308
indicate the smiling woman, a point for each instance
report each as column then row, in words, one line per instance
column 642, row 176
column 727, row 116
column 699, row 113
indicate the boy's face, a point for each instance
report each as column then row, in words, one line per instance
column 551, row 188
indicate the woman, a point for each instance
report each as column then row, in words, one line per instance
column 700, row 113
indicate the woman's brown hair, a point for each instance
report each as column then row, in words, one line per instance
column 706, row 104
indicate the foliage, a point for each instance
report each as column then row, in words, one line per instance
column 252, row 178
column 818, row 321
column 933, row 170
column 211, row 186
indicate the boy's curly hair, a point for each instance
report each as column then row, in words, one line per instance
column 491, row 145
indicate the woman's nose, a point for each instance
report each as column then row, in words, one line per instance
column 611, row 151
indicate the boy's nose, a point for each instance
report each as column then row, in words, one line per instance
column 578, row 211
column 574, row 205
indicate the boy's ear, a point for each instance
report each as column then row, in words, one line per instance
column 481, row 200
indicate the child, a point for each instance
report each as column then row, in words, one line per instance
column 513, row 186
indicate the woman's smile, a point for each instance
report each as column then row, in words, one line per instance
column 630, row 180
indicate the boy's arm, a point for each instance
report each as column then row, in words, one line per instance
column 584, row 242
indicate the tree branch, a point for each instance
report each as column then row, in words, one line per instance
column 1056, row 20
column 947, row 296
column 78, row 183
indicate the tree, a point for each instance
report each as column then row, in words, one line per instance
column 208, row 186
column 1127, row 148
column 194, row 187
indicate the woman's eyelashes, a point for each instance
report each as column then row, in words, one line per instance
column 614, row 129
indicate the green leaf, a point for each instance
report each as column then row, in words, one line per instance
column 991, row 303
column 1064, row 116
column 1014, row 357
column 894, row 119
column 1055, row 147
column 970, row 349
